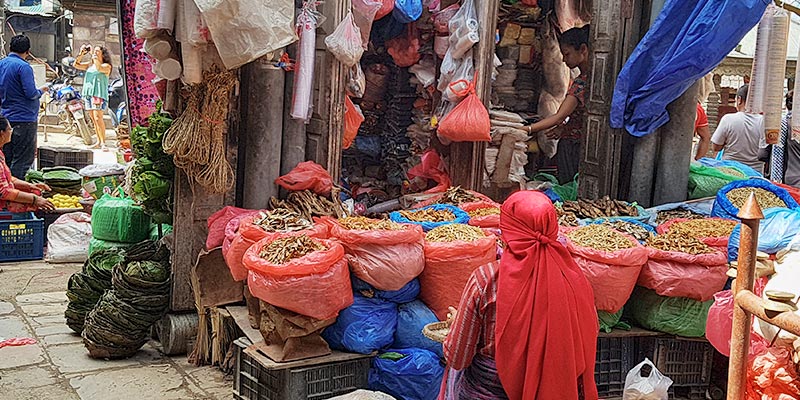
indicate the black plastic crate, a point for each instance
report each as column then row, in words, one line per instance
column 688, row 362
column 615, row 357
column 261, row 379
column 64, row 157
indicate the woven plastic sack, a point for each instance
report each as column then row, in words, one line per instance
column 386, row 259
column 673, row 315
column 488, row 221
column 448, row 266
column 718, row 243
column 412, row 318
column 315, row 285
column 415, row 376
column 406, row 294
column 461, row 217
column 772, row 374
column 352, row 122
column 675, row 274
column 119, row 219
column 345, row 42
column 775, row 232
column 367, row 325
column 723, row 207
column 407, row 11
column 468, row 121
column 707, row 181
column 217, row 223
column 307, row 175
column 611, row 274
column 68, row 238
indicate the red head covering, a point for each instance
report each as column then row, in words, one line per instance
column 546, row 332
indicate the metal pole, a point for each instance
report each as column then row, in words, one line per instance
column 751, row 215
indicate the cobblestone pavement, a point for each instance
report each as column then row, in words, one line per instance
column 32, row 303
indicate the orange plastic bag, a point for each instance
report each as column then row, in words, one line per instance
column 448, row 266
column 613, row 275
column 772, row 375
column 387, row 260
column 488, row 221
column 469, row 120
column 718, row 243
column 675, row 274
column 316, row 285
column 404, row 49
column 432, row 168
column 352, row 121
column 307, row 175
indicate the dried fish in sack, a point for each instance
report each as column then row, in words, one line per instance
column 281, row 251
column 455, row 232
column 600, row 237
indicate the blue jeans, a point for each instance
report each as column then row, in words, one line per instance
column 21, row 151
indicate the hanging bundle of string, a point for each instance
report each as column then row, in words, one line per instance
column 183, row 140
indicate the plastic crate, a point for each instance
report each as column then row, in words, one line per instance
column 688, row 362
column 615, row 357
column 21, row 237
column 255, row 380
column 64, row 157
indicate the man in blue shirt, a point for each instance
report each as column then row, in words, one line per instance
column 19, row 98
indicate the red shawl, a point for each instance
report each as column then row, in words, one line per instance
column 546, row 333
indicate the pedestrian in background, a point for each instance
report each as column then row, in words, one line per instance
column 785, row 167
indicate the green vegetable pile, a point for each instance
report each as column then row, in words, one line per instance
column 120, row 323
column 84, row 288
column 151, row 181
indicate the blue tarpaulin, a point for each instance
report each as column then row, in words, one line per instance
column 687, row 41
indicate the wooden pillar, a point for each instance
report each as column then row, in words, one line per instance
column 675, row 149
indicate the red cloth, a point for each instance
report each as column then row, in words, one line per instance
column 546, row 330
column 702, row 118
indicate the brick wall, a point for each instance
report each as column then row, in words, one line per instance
column 96, row 29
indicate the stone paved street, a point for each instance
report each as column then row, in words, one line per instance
column 32, row 303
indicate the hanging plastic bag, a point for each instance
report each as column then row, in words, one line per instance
column 675, row 274
column 462, row 78
column 404, row 49
column 431, row 168
column 345, row 42
column 364, row 12
column 412, row 318
column 491, row 220
column 245, row 30
column 356, row 81
column 315, row 285
column 307, row 175
column 463, row 29
column 468, row 122
column 673, row 315
column 366, row 326
column 407, row 374
column 612, row 274
column 68, row 238
column 775, row 232
column 653, row 386
column 406, row 294
column 307, row 20
column 190, row 29
column 448, row 266
column 352, row 122
column 407, row 11
column 723, row 207
column 442, row 18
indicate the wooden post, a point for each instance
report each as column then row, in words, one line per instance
column 675, row 149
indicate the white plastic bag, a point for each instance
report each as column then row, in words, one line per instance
column 356, row 81
column 68, row 238
column 652, row 387
column 145, row 18
column 245, row 30
column 463, row 29
column 463, row 76
column 363, row 15
column 345, row 42
column 189, row 25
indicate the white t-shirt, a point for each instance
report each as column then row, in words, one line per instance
column 742, row 135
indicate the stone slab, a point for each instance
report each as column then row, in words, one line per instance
column 65, row 338
column 53, row 329
column 39, row 310
column 43, row 393
column 41, row 298
column 49, row 320
column 73, row 358
column 153, row 382
column 26, row 378
column 13, row 327
column 6, row 308
column 20, row 356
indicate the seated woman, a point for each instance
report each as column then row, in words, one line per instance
column 17, row 195
column 526, row 327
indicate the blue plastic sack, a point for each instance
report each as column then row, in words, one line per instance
column 748, row 171
column 723, row 208
column 416, row 376
column 406, row 294
column 461, row 217
column 407, row 11
column 776, row 231
column 665, row 63
column 629, row 220
column 702, row 207
column 553, row 196
column 366, row 326
column 411, row 318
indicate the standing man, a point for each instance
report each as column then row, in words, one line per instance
column 701, row 130
column 741, row 135
column 20, row 105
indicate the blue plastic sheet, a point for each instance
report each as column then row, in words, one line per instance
column 687, row 41
column 776, row 231
column 461, row 217
column 748, row 171
column 417, row 376
column 407, row 11
column 406, row 294
column 412, row 318
column 723, row 208
column 702, row 207
column 366, row 326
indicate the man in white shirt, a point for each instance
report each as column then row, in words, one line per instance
column 741, row 135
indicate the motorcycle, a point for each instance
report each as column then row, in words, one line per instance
column 117, row 107
column 70, row 111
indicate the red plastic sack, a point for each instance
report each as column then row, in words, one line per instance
column 307, row 175
column 772, row 375
column 793, row 191
column 469, row 120
column 316, row 285
column 232, row 228
column 674, row 274
column 488, row 221
column 386, row 9
column 352, row 121
column 720, row 323
column 404, row 49
column 387, row 260
column 217, row 223
column 431, row 168
column 613, row 275
column 448, row 266
column 718, row 243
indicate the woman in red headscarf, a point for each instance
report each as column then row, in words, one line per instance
column 527, row 328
